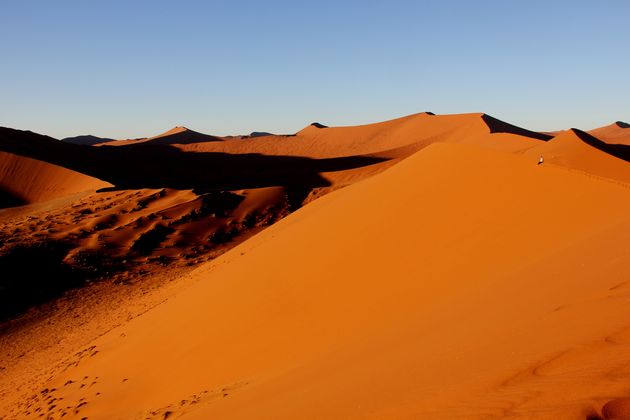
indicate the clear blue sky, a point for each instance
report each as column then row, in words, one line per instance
column 134, row 68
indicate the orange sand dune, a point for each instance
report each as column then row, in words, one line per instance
column 389, row 141
column 273, row 160
column 35, row 181
column 461, row 283
column 168, row 223
column 120, row 235
column 405, row 135
column 577, row 150
column 615, row 133
column 176, row 135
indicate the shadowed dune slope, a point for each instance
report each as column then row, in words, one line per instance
column 461, row 283
column 24, row 142
column 86, row 140
column 498, row 126
column 144, row 165
column 36, row 181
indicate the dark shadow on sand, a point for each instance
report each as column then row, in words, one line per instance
column 165, row 166
column 498, row 126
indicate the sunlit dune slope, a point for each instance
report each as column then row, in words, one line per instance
column 615, row 133
column 580, row 151
column 399, row 137
column 460, row 283
column 34, row 180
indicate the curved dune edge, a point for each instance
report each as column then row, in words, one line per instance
column 37, row 181
column 461, row 282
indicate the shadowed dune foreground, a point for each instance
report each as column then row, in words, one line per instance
column 424, row 267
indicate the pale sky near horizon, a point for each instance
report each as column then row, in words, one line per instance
column 125, row 69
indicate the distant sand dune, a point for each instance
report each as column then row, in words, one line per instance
column 86, row 140
column 176, row 135
column 615, row 133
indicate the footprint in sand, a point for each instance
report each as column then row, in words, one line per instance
column 200, row 398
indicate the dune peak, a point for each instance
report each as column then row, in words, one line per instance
column 579, row 133
column 177, row 129
column 312, row 128
column 622, row 124
column 176, row 135
column 574, row 134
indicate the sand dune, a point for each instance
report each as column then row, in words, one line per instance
column 488, row 286
column 35, row 181
column 315, row 158
column 578, row 150
column 122, row 235
column 452, row 277
column 142, row 166
column 176, row 135
column 86, row 140
column 615, row 133
column 417, row 131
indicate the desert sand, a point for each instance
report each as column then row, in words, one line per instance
column 32, row 181
column 577, row 150
column 423, row 267
column 615, row 133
